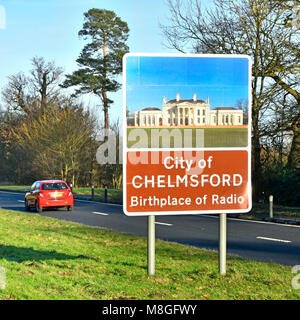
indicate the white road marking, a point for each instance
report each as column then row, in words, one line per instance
column 272, row 239
column 101, row 213
column 164, row 224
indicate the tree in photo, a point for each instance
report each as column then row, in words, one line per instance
column 56, row 140
column 34, row 93
column 100, row 61
column 45, row 77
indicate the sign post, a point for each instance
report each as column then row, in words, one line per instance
column 187, row 138
column 222, row 243
column 151, row 245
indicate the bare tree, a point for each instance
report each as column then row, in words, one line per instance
column 259, row 28
column 15, row 94
column 29, row 94
column 45, row 79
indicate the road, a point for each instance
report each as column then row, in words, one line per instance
column 255, row 240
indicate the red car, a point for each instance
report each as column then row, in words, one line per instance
column 49, row 193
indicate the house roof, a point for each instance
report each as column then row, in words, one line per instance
column 186, row 100
column 225, row 108
column 151, row 109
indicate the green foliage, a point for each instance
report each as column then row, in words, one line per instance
column 284, row 186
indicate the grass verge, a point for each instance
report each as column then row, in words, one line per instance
column 113, row 195
column 46, row 258
column 263, row 208
column 260, row 212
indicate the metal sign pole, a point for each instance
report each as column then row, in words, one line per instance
column 151, row 245
column 222, row 243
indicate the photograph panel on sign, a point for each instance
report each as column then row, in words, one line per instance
column 187, row 102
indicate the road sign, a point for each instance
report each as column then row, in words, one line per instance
column 187, row 133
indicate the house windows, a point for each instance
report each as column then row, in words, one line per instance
column 188, row 114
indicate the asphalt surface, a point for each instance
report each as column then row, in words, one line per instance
column 255, row 240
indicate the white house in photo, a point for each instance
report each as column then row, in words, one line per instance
column 187, row 112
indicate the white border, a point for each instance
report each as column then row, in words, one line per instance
column 125, row 149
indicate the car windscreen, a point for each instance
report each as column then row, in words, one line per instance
column 54, row 186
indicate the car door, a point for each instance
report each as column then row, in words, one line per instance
column 30, row 197
column 36, row 191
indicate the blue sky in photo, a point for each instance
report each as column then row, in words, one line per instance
column 224, row 79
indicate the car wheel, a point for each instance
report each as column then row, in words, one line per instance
column 70, row 208
column 27, row 208
column 38, row 208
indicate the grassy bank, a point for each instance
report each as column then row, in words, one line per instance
column 113, row 195
column 263, row 208
column 46, row 258
column 213, row 137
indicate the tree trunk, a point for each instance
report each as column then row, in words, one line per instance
column 104, row 95
column 256, row 162
column 105, row 110
column 294, row 156
column 43, row 92
column 106, row 120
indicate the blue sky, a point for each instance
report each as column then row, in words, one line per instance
column 149, row 79
column 49, row 28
